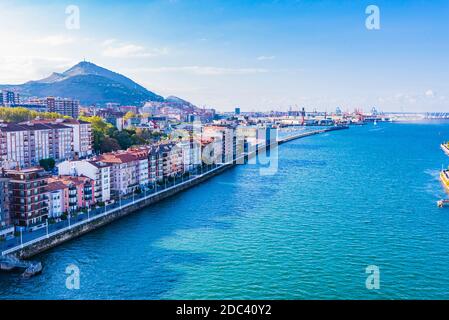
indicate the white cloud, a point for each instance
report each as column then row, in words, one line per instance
column 114, row 49
column 430, row 93
column 108, row 42
column 262, row 58
column 206, row 70
column 55, row 40
column 19, row 69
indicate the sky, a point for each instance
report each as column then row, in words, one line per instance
column 258, row 55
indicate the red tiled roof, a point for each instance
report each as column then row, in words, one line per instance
column 123, row 157
column 55, row 185
column 66, row 180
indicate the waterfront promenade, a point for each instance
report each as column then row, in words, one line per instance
column 28, row 244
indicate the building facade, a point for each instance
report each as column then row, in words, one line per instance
column 6, row 228
column 224, row 137
column 28, row 196
column 9, row 98
column 66, row 107
column 58, row 198
column 96, row 170
column 82, row 137
column 129, row 172
column 78, row 192
column 25, row 144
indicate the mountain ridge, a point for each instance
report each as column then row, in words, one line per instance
column 90, row 84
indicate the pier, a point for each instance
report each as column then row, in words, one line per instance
column 11, row 263
column 310, row 133
column 12, row 257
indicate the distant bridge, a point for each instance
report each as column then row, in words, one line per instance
column 436, row 115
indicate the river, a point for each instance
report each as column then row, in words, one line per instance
column 337, row 203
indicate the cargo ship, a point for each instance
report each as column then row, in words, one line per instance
column 444, row 147
column 444, row 177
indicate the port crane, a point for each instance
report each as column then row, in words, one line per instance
column 303, row 116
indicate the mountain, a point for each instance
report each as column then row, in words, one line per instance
column 177, row 100
column 90, row 84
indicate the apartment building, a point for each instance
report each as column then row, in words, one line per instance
column 24, row 144
column 64, row 106
column 225, row 137
column 171, row 159
column 210, row 151
column 6, row 228
column 142, row 166
column 190, row 154
column 9, row 98
column 58, row 199
column 82, row 137
column 78, row 193
column 155, row 164
column 250, row 138
column 98, row 171
column 127, row 173
column 28, row 196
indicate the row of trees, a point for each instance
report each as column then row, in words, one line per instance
column 24, row 114
column 108, row 138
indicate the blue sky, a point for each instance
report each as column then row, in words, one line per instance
column 259, row 55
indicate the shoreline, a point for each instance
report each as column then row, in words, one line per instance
column 31, row 248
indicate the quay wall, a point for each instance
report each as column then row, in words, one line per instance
column 45, row 243
column 78, row 230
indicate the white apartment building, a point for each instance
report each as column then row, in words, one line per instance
column 128, row 171
column 82, row 137
column 190, row 155
column 24, row 144
column 55, row 203
column 142, row 166
column 224, row 136
column 96, row 170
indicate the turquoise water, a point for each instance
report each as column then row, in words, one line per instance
column 339, row 202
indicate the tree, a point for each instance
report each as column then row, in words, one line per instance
column 108, row 138
column 47, row 164
column 19, row 114
column 124, row 138
column 109, row 144
column 129, row 115
column 100, row 130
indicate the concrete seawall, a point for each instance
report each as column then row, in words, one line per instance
column 78, row 230
column 45, row 243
